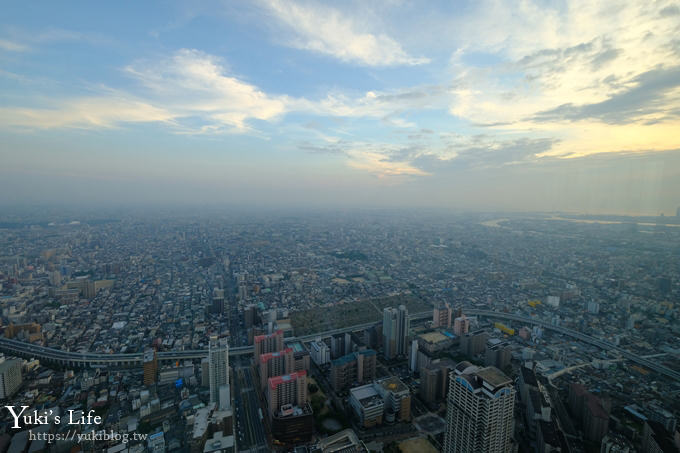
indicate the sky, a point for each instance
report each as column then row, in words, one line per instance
column 482, row 105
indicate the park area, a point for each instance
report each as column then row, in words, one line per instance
column 338, row 316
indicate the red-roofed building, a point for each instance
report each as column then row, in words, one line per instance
column 268, row 343
column 287, row 389
column 274, row 364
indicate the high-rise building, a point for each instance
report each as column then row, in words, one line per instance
column 150, row 367
column 320, row 352
column 293, row 424
column 54, row 278
column 434, row 380
column 397, row 397
column 367, row 405
column 461, row 325
column 480, row 410
column 301, row 356
column 473, row 343
column 218, row 357
column 10, row 377
column 218, row 301
column 413, row 360
column 287, row 389
column 264, row 344
column 339, row 345
column 498, row 355
column 355, row 367
column 249, row 315
column 275, row 364
column 395, row 331
column 386, row 399
column 441, row 316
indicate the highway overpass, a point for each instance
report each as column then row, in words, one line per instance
column 80, row 359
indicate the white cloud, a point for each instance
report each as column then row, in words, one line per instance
column 327, row 31
column 92, row 112
column 193, row 92
column 582, row 55
column 12, row 46
column 193, row 83
column 375, row 159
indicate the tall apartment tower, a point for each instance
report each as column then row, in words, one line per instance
column 275, row 364
column 218, row 301
column 287, row 389
column 480, row 410
column 441, row 316
column 218, row 369
column 10, row 377
column 395, row 331
column 264, row 344
column 150, row 367
column 461, row 325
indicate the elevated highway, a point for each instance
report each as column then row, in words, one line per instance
column 80, row 359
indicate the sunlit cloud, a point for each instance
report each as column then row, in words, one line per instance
column 87, row 113
column 326, row 30
column 588, row 67
column 195, row 83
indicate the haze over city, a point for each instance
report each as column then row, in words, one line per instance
column 484, row 105
column 303, row 226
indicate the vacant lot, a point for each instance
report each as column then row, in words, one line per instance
column 418, row 445
column 321, row 319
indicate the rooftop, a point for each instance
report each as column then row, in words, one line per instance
column 259, row 338
column 493, row 376
column 393, row 384
column 366, row 395
column 277, row 380
column 434, row 337
column 268, row 356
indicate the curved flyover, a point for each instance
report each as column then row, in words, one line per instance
column 70, row 358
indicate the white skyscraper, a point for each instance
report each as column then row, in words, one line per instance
column 480, row 410
column 218, row 369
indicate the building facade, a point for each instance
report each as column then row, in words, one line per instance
column 218, row 369
column 275, row 364
column 320, row 352
column 480, row 410
column 262, row 344
column 357, row 367
column 395, row 331
column 150, row 367
column 441, row 316
column 289, row 389
column 10, row 377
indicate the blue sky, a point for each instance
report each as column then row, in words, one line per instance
column 472, row 105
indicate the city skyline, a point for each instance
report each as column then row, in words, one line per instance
column 314, row 104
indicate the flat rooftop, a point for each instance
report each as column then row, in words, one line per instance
column 434, row 337
column 393, row 384
column 493, row 376
column 363, row 392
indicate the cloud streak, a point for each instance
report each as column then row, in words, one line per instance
column 327, row 31
column 12, row 46
column 86, row 113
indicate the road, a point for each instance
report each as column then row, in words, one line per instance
column 76, row 358
column 249, row 426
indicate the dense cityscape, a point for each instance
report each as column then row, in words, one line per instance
column 311, row 226
column 325, row 331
